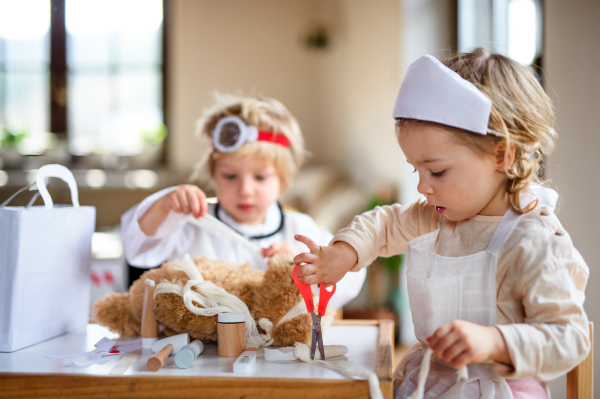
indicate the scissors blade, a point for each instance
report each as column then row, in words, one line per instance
column 313, row 344
column 318, row 334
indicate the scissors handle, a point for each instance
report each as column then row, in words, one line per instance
column 324, row 297
column 305, row 290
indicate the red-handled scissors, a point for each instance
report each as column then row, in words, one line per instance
column 324, row 296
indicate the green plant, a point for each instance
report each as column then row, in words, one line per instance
column 155, row 136
column 389, row 267
column 10, row 137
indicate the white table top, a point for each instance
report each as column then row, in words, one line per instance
column 362, row 343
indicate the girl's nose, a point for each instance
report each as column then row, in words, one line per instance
column 424, row 188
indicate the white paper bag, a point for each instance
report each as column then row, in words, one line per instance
column 45, row 258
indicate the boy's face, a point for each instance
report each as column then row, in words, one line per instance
column 246, row 187
column 456, row 180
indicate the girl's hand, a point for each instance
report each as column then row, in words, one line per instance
column 460, row 343
column 186, row 199
column 326, row 264
column 279, row 248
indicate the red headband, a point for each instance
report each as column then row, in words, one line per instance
column 273, row 138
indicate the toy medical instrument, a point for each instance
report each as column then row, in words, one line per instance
column 166, row 347
column 246, row 362
column 156, row 362
column 188, row 354
column 324, row 297
column 231, row 133
column 178, row 342
column 123, row 364
column 149, row 323
column 231, row 334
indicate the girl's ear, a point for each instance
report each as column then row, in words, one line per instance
column 503, row 158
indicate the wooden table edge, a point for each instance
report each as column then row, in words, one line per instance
column 150, row 386
column 160, row 386
column 385, row 351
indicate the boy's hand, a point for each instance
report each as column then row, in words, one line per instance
column 186, row 199
column 460, row 342
column 327, row 264
column 279, row 248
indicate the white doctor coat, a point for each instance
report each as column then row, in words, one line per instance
column 176, row 237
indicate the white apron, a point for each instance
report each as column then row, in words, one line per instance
column 443, row 289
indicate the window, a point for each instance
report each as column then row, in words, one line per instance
column 91, row 72
column 509, row 27
column 24, row 73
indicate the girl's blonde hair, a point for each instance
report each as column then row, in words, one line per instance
column 264, row 113
column 522, row 116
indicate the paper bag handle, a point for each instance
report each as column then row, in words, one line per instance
column 61, row 172
column 52, row 170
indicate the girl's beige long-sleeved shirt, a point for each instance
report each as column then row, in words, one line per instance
column 540, row 278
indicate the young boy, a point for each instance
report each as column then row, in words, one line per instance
column 257, row 147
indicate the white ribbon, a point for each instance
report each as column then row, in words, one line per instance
column 267, row 324
column 346, row 368
column 463, row 374
column 211, row 224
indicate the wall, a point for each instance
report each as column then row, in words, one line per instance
column 235, row 46
column 342, row 96
column 358, row 80
column 571, row 60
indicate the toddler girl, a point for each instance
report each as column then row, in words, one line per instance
column 256, row 148
column 494, row 281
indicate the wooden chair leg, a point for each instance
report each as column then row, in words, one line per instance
column 580, row 380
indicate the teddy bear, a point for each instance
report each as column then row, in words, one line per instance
column 272, row 299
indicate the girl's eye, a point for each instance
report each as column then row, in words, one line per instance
column 230, row 176
column 438, row 174
column 260, row 177
column 414, row 171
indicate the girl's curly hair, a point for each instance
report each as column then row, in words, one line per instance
column 522, row 115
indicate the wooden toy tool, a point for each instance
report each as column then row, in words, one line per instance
column 156, row 362
column 166, row 347
column 149, row 323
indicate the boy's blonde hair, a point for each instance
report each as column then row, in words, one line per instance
column 265, row 114
column 522, row 116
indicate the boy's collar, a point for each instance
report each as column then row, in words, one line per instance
column 273, row 224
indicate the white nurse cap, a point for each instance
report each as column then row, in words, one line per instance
column 433, row 92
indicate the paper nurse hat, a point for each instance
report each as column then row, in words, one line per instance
column 433, row 92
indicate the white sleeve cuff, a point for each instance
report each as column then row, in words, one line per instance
column 135, row 241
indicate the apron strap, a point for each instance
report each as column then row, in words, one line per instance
column 546, row 196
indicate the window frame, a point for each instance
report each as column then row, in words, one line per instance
column 491, row 17
column 59, row 101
